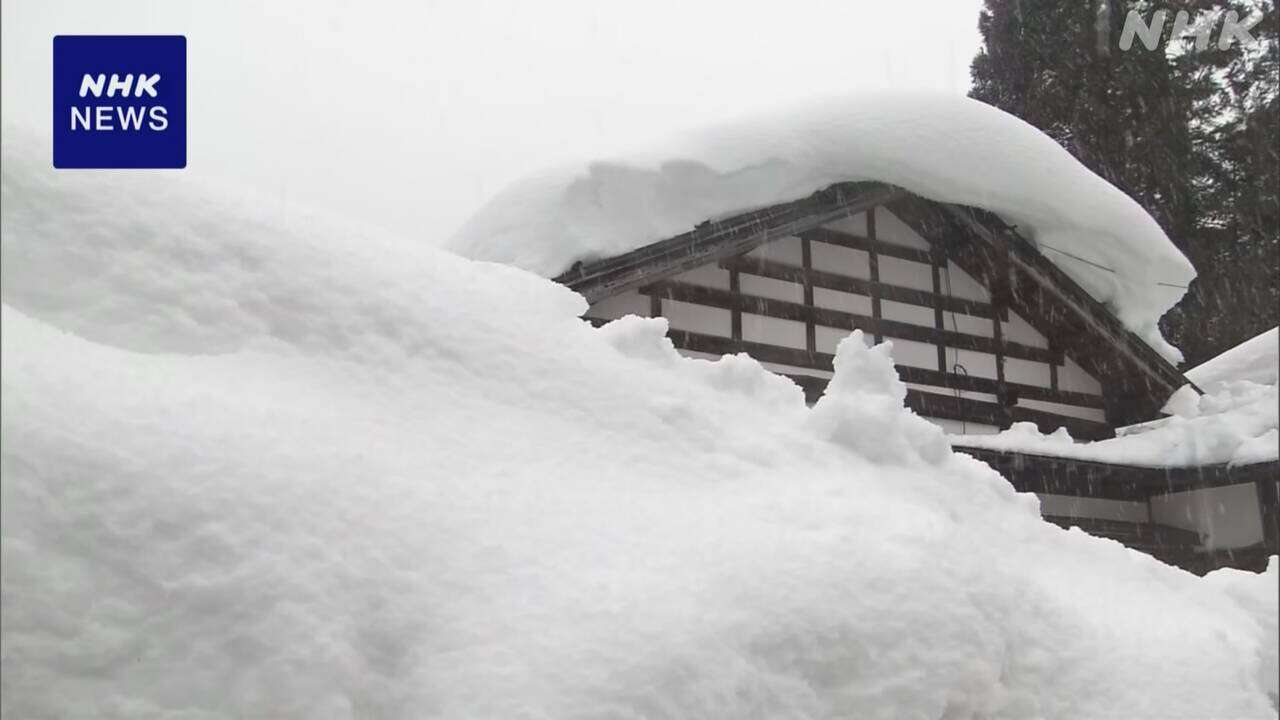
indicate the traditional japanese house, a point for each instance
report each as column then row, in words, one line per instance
column 986, row 332
column 777, row 236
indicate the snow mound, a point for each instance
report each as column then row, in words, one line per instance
column 1256, row 360
column 947, row 148
column 1236, row 421
column 263, row 469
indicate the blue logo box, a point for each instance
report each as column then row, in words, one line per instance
column 119, row 101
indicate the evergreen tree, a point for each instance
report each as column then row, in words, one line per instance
column 1189, row 133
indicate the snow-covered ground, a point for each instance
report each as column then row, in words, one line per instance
column 1236, row 421
column 255, row 468
column 944, row 147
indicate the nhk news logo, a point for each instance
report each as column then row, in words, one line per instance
column 119, row 101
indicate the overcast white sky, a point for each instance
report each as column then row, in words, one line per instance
column 409, row 115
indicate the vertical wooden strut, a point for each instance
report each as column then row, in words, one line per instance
column 810, row 331
column 936, row 258
column 1053, row 365
column 1000, row 290
column 735, row 315
column 873, row 262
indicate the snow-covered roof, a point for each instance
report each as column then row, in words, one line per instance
column 945, row 148
column 1236, row 421
column 1256, row 360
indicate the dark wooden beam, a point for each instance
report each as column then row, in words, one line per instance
column 810, row 330
column 873, row 266
column 712, row 241
column 935, row 271
column 857, row 286
column 1030, row 472
column 1268, row 489
column 1043, row 274
column 866, row 244
column 735, row 316
column 839, row 319
column 716, row 345
column 1136, row 379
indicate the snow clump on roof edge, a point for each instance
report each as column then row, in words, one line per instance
column 946, row 148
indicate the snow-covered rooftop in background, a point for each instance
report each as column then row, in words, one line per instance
column 1236, row 421
column 946, row 148
column 258, row 468
column 1256, row 360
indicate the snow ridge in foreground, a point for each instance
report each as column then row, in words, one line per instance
column 258, row 469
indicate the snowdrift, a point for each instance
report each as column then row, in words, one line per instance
column 943, row 147
column 255, row 468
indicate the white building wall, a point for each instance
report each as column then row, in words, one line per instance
column 840, row 260
column 630, row 302
column 697, row 318
column 1227, row 517
column 1095, row 508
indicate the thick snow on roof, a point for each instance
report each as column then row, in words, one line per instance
column 1236, row 421
column 256, row 468
column 942, row 147
column 1256, row 360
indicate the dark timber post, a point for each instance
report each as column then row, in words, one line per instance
column 937, row 258
column 873, row 263
column 735, row 315
column 810, row 331
column 1269, row 508
column 1001, row 288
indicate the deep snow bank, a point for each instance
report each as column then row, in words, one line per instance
column 254, row 469
column 1237, row 420
column 947, row 148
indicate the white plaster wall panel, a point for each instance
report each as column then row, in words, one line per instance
column 968, row 324
column 794, row 370
column 839, row 260
column 977, row 364
column 769, row 288
column 1084, row 413
column 914, row 354
column 903, row 312
column 827, row 338
column 981, row 397
column 773, row 331
column 847, row 302
column 852, row 224
column 1072, row 377
column 963, row 285
column 783, row 250
column 697, row 318
column 709, row 275
column 1095, row 508
column 1227, row 516
column 630, row 302
column 956, row 427
column 1027, row 372
column 1019, row 330
column 906, row 273
column 892, row 230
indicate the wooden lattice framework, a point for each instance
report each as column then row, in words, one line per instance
column 1136, row 380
